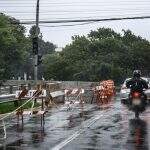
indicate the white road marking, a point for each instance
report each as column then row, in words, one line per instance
column 76, row 134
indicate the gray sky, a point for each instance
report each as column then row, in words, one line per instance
column 77, row 9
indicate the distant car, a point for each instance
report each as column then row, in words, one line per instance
column 124, row 92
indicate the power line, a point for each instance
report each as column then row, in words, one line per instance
column 45, row 6
column 78, row 11
column 64, row 25
column 76, row 2
column 89, row 17
column 85, row 20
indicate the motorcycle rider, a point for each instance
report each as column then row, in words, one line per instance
column 137, row 84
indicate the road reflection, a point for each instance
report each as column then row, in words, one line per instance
column 138, row 135
column 75, row 120
column 36, row 137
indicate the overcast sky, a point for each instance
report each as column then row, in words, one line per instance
column 77, row 9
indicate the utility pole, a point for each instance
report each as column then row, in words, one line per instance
column 36, row 37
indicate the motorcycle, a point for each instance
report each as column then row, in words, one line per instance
column 137, row 103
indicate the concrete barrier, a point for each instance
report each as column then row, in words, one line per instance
column 6, row 98
column 58, row 97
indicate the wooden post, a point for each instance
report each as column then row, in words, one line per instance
column 42, row 115
column 22, row 115
column 10, row 89
column 29, row 86
column 43, row 119
column 42, row 104
column 17, row 117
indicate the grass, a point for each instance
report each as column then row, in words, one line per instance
column 9, row 107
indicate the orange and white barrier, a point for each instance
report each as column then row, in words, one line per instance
column 74, row 91
column 30, row 94
column 105, row 91
column 73, row 96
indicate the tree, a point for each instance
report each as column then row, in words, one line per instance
column 16, row 56
column 103, row 54
column 12, row 46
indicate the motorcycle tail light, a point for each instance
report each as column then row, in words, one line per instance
column 136, row 94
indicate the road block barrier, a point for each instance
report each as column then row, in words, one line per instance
column 104, row 91
column 74, row 96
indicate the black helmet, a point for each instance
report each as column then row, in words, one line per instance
column 136, row 73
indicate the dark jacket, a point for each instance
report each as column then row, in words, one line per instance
column 137, row 84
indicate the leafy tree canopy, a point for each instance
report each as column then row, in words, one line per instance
column 16, row 56
column 103, row 54
column 12, row 46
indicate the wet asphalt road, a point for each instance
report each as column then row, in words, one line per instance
column 87, row 127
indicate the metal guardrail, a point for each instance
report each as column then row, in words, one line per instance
column 11, row 97
column 4, row 96
column 7, row 98
column 9, row 89
column 11, row 100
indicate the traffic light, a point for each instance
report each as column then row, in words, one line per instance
column 39, row 59
column 35, row 45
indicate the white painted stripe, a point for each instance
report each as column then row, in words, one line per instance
column 81, row 91
column 7, row 95
column 71, row 138
column 66, row 91
column 76, row 102
column 74, row 91
column 77, row 133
